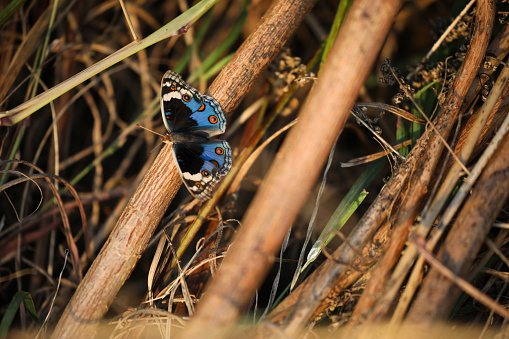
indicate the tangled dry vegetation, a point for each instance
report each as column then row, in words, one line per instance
column 402, row 226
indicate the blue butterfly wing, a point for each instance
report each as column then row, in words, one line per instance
column 192, row 118
column 202, row 164
column 186, row 111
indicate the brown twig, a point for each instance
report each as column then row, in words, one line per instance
column 428, row 160
column 295, row 169
column 256, row 53
column 139, row 219
column 121, row 251
column 438, row 293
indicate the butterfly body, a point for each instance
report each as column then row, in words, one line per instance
column 191, row 119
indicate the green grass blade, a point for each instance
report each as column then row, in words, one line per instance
column 401, row 136
column 348, row 205
column 427, row 99
column 344, row 5
column 184, row 60
column 30, row 308
column 9, row 10
column 216, row 67
column 24, row 110
column 12, row 309
column 216, row 54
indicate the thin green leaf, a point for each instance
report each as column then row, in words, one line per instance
column 216, row 67
column 9, row 10
column 346, row 208
column 12, row 309
column 401, row 136
column 30, row 307
column 24, row 110
column 426, row 98
column 198, row 38
column 344, row 5
column 216, row 54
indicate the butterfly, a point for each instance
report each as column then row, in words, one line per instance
column 191, row 119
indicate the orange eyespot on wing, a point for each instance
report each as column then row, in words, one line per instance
column 213, row 119
column 186, row 97
column 205, row 173
column 202, row 108
column 215, row 163
column 173, row 87
column 219, row 151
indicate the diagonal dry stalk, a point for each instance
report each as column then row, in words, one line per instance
column 148, row 204
column 430, row 147
column 295, row 168
column 337, row 274
column 468, row 232
column 121, row 251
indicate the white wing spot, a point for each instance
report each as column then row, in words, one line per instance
column 171, row 95
column 195, row 177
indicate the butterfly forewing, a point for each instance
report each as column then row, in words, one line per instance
column 186, row 111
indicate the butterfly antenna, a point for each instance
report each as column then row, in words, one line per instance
column 164, row 138
column 156, row 146
column 147, row 129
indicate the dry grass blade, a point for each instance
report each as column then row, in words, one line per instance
column 63, row 213
column 438, row 294
column 450, row 28
column 28, row 46
column 249, row 161
column 372, row 157
column 454, row 279
column 381, row 140
column 391, row 109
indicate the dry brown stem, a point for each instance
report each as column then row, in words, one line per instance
column 371, row 252
column 295, row 169
column 499, row 48
column 438, row 294
column 151, row 199
column 121, row 252
column 431, row 153
column 258, row 51
column 333, row 274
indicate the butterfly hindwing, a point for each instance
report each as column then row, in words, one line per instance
column 202, row 165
